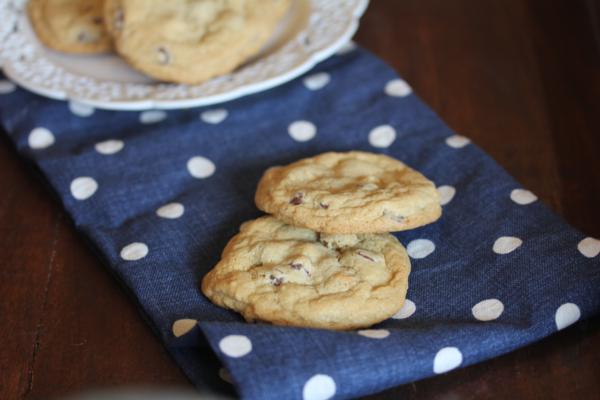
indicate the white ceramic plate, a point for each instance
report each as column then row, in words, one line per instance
column 312, row 31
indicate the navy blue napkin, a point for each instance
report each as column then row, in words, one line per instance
column 160, row 194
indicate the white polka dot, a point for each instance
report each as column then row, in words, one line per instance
column 446, row 194
column 347, row 48
column 488, row 310
column 457, row 141
column 171, row 211
column 447, row 359
column 302, row 131
column 317, row 81
column 134, row 251
column 183, row 326
column 109, row 146
column 506, row 244
column 215, row 116
column 406, row 311
column 80, row 109
column 40, row 138
column 7, row 87
column 522, row 196
column 224, row 374
column 83, row 187
column 374, row 333
column 420, row 248
column 235, row 345
column 200, row 167
column 589, row 247
column 152, row 117
column 382, row 136
column 319, row 387
column 566, row 315
column 397, row 88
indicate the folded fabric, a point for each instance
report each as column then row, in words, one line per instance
column 160, row 193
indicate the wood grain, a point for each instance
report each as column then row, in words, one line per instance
column 521, row 78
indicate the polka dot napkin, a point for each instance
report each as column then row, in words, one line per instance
column 160, row 193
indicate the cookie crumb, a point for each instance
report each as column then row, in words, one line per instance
column 86, row 37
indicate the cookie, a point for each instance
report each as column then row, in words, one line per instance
column 354, row 192
column 70, row 26
column 191, row 41
column 287, row 275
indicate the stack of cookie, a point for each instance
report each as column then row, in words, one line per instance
column 183, row 41
column 324, row 258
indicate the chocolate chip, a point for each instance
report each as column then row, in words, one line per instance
column 118, row 19
column 86, row 37
column 324, row 205
column 97, row 20
column 324, row 241
column 276, row 281
column 393, row 216
column 163, row 56
column 363, row 255
column 297, row 199
column 296, row 266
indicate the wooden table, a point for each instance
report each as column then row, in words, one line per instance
column 519, row 77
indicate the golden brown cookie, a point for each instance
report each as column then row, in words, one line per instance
column 70, row 26
column 286, row 275
column 191, row 41
column 354, row 192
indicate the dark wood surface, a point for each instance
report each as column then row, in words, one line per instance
column 519, row 77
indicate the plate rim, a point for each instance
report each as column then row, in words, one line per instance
column 150, row 103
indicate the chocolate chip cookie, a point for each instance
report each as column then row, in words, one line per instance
column 344, row 193
column 191, row 41
column 286, row 275
column 70, row 26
